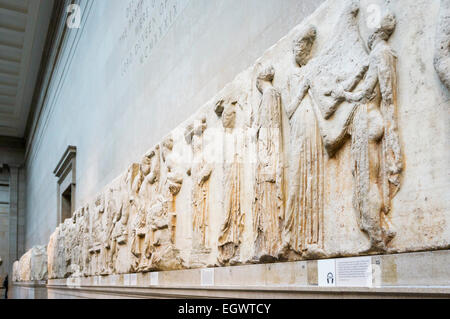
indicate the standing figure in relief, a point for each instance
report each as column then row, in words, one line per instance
column 375, row 141
column 269, row 208
column 133, row 180
column 159, row 243
column 171, row 185
column 150, row 172
column 200, row 172
column 125, row 205
column 85, row 258
column 230, row 235
column 107, row 228
column 119, row 234
column 69, row 245
column 96, row 231
column 318, row 120
column 304, row 212
column 61, row 265
column 150, row 169
column 52, row 253
column 38, row 263
column 76, row 244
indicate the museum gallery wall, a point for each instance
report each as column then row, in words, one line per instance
column 325, row 147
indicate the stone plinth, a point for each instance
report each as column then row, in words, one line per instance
column 28, row 290
column 408, row 275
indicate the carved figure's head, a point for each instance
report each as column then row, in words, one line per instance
column 266, row 75
column 384, row 31
column 200, row 126
column 168, row 143
column 303, row 45
column 229, row 115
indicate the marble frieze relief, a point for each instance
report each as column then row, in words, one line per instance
column 303, row 155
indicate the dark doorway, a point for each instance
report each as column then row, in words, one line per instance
column 66, row 203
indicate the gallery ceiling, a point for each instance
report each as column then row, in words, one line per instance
column 23, row 30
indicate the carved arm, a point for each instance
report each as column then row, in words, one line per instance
column 291, row 108
column 205, row 174
column 368, row 87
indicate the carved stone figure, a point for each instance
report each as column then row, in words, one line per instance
column 52, row 254
column 69, row 244
column 75, row 244
column 200, row 172
column 151, row 171
column 38, row 263
column 133, row 179
column 61, row 259
column 230, row 235
column 96, row 237
column 160, row 251
column 269, row 195
column 84, row 236
column 442, row 51
column 25, row 267
column 343, row 62
column 171, row 184
column 119, row 235
column 108, row 223
column 375, row 142
column 303, row 231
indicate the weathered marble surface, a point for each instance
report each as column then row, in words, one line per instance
column 442, row 55
column 24, row 267
column 32, row 266
column 334, row 143
column 39, row 268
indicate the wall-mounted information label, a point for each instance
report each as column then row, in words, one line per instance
column 354, row 272
column 326, row 272
column 154, row 279
column 126, row 279
column 133, row 280
column 207, row 277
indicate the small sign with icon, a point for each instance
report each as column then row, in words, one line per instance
column 326, row 272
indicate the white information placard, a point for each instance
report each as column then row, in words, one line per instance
column 326, row 273
column 133, row 280
column 126, row 279
column 207, row 277
column 154, row 279
column 354, row 272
